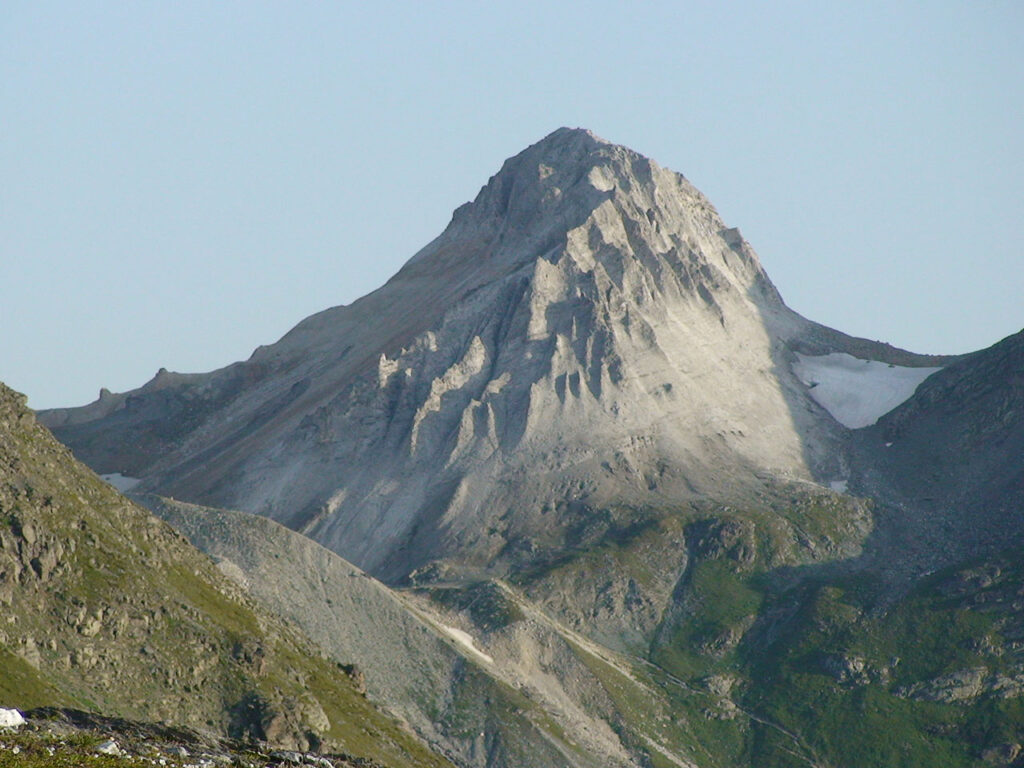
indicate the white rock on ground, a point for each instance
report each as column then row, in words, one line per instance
column 11, row 718
column 109, row 747
column 466, row 641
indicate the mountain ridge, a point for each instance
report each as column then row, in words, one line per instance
column 585, row 286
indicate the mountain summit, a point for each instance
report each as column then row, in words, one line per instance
column 585, row 334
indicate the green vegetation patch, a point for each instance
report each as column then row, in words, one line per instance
column 866, row 684
column 225, row 612
column 620, row 535
column 23, row 686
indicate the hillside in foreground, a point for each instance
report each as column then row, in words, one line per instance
column 107, row 609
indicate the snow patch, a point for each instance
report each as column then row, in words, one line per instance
column 466, row 641
column 857, row 392
column 123, row 483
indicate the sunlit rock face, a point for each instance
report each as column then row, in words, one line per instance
column 586, row 333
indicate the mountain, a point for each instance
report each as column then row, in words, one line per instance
column 625, row 506
column 586, row 332
column 107, row 608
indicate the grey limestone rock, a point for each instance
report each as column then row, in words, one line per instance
column 586, row 331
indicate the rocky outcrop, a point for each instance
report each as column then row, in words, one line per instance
column 966, row 685
column 853, row 671
column 64, row 736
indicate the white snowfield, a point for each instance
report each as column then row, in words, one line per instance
column 858, row 392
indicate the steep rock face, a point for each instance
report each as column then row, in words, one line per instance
column 949, row 459
column 967, row 425
column 586, row 331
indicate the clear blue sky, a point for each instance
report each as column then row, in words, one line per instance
column 182, row 181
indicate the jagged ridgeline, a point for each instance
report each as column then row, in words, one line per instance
column 103, row 607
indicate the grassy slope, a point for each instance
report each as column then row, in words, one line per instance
column 901, row 710
column 772, row 657
column 106, row 608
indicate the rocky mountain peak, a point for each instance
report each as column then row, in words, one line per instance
column 588, row 312
column 574, row 189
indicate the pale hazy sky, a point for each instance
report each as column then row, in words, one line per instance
column 183, row 181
